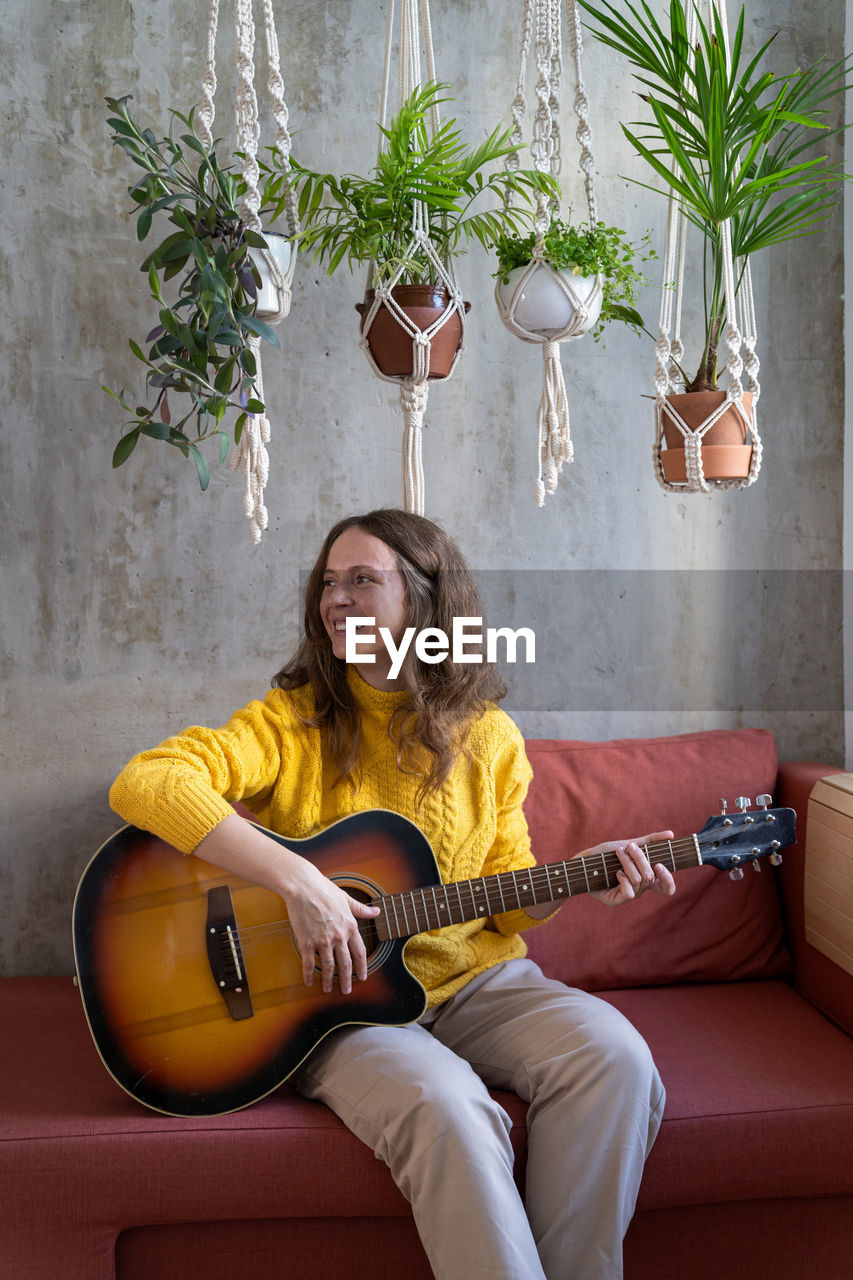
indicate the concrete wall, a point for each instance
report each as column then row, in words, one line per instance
column 133, row 604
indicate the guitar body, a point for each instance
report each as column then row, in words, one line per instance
column 153, row 993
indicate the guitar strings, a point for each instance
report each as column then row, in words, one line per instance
column 540, row 876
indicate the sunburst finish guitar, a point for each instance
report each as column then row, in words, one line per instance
column 191, row 980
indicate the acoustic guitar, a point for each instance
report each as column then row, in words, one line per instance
column 191, row 980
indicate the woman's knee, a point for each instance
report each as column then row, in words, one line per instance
column 623, row 1049
column 455, row 1107
column 604, row 1052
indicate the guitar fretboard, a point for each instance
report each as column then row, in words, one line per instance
column 418, row 910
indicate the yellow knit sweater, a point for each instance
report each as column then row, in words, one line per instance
column 266, row 757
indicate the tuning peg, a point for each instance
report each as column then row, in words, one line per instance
column 775, row 859
column 743, row 803
column 756, row 866
column 764, row 800
column 736, row 873
column 725, row 807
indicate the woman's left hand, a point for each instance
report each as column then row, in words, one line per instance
column 637, row 874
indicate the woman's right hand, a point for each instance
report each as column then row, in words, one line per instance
column 323, row 918
column 324, row 923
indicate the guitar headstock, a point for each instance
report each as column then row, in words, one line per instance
column 729, row 841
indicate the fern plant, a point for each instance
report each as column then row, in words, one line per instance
column 361, row 219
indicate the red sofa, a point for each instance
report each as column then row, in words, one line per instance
column 752, row 1173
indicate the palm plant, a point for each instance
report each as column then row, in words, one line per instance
column 733, row 142
column 363, row 219
column 199, row 353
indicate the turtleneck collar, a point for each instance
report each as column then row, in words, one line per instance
column 370, row 700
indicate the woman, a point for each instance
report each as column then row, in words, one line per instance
column 332, row 738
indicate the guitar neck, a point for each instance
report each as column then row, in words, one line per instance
column 417, row 910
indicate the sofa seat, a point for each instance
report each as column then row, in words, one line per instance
column 744, row 1064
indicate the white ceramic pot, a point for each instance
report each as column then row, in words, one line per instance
column 542, row 307
column 280, row 249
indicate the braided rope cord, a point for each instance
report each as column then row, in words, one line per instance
column 583, row 132
column 518, row 107
column 283, row 142
column 206, row 110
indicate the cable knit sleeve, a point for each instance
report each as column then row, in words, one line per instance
column 183, row 788
column 511, row 848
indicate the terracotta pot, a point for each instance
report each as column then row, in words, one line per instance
column 390, row 344
column 725, row 452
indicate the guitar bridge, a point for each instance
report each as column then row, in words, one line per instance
column 225, row 955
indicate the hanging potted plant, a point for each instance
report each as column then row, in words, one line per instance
column 581, row 276
column 731, row 142
column 373, row 219
column 198, row 356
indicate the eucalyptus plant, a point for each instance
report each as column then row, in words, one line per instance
column 198, row 355
column 585, row 250
column 361, row 219
column 731, row 140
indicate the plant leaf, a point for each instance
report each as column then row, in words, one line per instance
column 201, row 465
column 125, row 447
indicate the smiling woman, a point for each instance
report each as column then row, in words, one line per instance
column 426, row 741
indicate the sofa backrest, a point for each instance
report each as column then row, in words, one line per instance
column 713, row 929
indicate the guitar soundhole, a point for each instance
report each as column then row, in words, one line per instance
column 364, row 890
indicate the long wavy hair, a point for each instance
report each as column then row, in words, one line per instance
column 442, row 699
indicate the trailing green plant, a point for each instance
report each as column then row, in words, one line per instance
column 361, row 219
column 200, row 347
column 731, row 140
column 585, row 250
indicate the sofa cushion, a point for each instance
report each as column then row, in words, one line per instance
column 712, row 930
column 759, row 1095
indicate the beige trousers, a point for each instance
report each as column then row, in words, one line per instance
column 417, row 1096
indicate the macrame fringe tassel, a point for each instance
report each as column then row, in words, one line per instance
column 413, row 398
column 555, row 444
column 252, row 459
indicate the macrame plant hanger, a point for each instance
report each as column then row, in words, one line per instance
column 740, row 333
column 414, row 387
column 250, row 456
column 554, row 440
